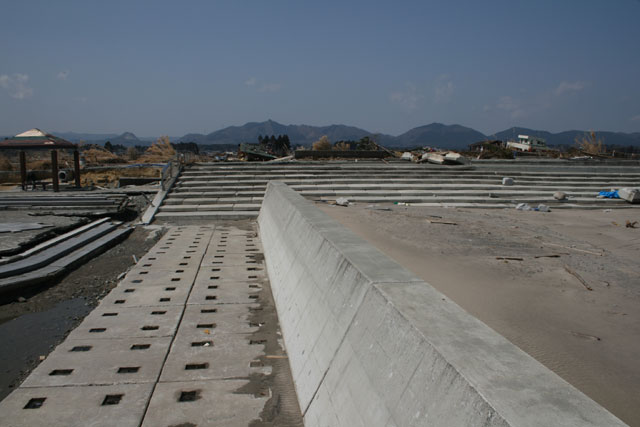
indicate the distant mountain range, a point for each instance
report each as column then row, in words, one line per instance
column 128, row 139
column 434, row 134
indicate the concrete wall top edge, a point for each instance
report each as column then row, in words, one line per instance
column 372, row 263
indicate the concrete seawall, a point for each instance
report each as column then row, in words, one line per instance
column 372, row 345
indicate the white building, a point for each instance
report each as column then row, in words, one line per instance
column 528, row 143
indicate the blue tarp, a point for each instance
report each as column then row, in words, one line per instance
column 609, row 194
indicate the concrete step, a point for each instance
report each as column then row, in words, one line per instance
column 206, row 215
column 211, row 207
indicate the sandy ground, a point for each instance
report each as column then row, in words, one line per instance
column 591, row 338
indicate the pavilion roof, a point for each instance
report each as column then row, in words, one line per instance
column 35, row 139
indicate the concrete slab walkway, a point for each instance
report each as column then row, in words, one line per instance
column 188, row 337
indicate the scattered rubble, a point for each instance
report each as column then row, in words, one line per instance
column 507, row 181
column 559, row 195
column 341, row 201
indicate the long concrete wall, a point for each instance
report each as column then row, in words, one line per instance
column 372, row 345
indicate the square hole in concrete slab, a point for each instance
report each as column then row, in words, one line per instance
column 215, row 269
column 165, row 247
column 256, row 325
column 216, row 262
column 81, row 348
column 158, row 312
column 186, row 257
column 140, row 346
column 97, row 330
column 253, row 296
column 255, row 342
column 56, row 372
column 252, row 268
column 35, row 403
column 218, row 256
column 192, row 366
column 179, row 271
column 184, row 263
column 128, row 291
column 128, row 369
column 152, row 259
column 189, row 396
column 137, row 281
column 147, row 265
column 254, row 286
column 212, row 287
column 202, row 344
column 175, row 279
column 206, row 325
column 191, row 252
column 119, row 301
column 112, row 399
column 252, row 250
column 221, row 250
column 159, row 252
column 211, row 297
column 252, row 277
column 165, row 299
column 150, row 328
column 170, row 288
column 255, row 308
column 214, row 277
column 255, row 364
column 209, row 310
column 109, row 314
column 144, row 272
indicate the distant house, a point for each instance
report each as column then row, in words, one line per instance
column 528, row 143
column 483, row 145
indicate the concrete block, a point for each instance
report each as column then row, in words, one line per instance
column 227, row 259
column 215, row 403
column 101, row 362
column 198, row 356
column 226, row 319
column 224, row 292
column 160, row 296
column 122, row 404
column 114, row 321
column 236, row 273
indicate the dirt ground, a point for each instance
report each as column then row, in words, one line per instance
column 34, row 323
column 571, row 299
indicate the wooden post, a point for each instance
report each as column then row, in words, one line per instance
column 23, row 170
column 76, row 166
column 54, row 170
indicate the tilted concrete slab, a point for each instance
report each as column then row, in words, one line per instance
column 372, row 345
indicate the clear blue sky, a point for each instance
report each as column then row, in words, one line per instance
column 169, row 67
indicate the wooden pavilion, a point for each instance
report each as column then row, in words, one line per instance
column 35, row 139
